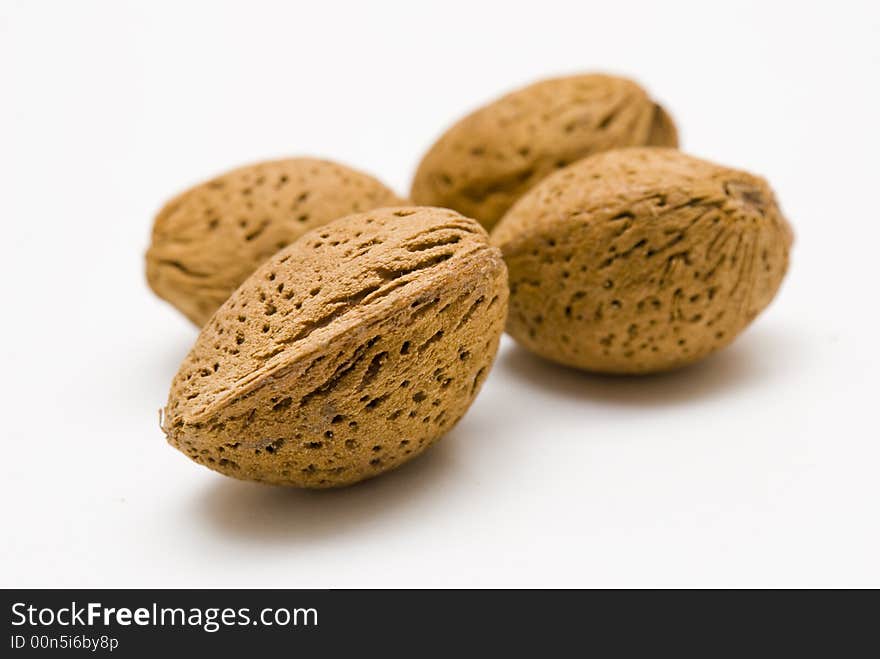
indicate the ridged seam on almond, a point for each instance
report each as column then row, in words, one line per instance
column 641, row 260
column 346, row 354
column 209, row 239
column 486, row 161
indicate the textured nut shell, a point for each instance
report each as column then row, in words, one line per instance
column 212, row 237
column 347, row 353
column 641, row 260
column 486, row 161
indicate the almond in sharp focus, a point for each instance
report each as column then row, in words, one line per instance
column 345, row 354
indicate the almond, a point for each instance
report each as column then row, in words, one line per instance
column 346, row 354
column 486, row 161
column 641, row 260
column 209, row 239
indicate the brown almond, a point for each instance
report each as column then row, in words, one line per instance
column 345, row 354
column 641, row 260
column 486, row 161
column 209, row 239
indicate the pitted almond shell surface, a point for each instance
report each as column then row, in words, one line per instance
column 209, row 239
column 641, row 260
column 347, row 353
column 486, row 161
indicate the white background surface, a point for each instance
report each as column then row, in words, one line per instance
column 758, row 467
